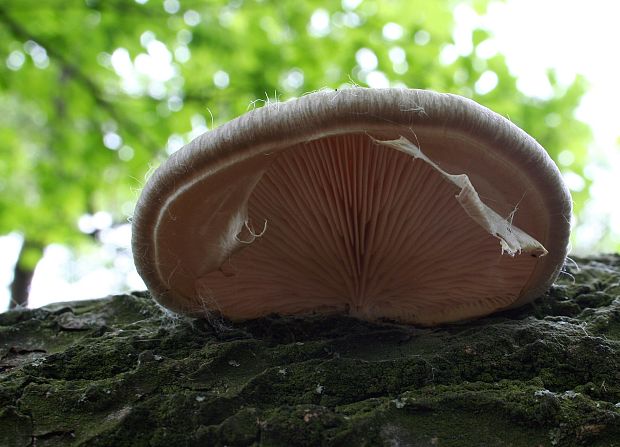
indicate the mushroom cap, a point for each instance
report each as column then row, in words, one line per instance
column 398, row 204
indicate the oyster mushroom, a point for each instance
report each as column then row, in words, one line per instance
column 396, row 204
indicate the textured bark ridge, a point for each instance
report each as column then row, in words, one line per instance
column 119, row 371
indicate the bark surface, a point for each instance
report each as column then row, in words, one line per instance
column 120, row 371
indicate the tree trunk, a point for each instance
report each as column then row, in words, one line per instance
column 122, row 372
column 29, row 255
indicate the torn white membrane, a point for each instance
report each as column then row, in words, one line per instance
column 512, row 239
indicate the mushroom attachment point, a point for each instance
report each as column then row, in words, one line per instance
column 396, row 204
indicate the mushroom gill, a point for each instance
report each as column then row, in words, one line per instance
column 383, row 204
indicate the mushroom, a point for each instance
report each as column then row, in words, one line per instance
column 397, row 204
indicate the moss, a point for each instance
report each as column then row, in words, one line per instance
column 15, row 427
column 242, row 428
column 121, row 372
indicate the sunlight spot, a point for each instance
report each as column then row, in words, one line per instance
column 377, row 79
column 172, row 6
column 221, row 79
column 479, row 65
column 422, row 37
column 319, row 23
column 157, row 90
column 293, row 79
column 109, row 126
column 574, row 181
column 553, row 120
column 112, row 140
column 464, row 16
column 199, row 126
column 350, row 5
column 191, row 17
column 348, row 19
column 461, row 76
column 104, row 59
column 401, row 68
column 37, row 53
column 198, row 121
column 158, row 50
column 156, row 63
column 121, row 62
column 399, row 60
column 397, row 55
column 486, row 82
column 184, row 36
column 366, row 59
column 94, row 18
column 126, row 153
column 146, row 38
column 182, row 54
column 592, row 171
column 89, row 223
column 175, row 103
column 392, row 31
column 566, row 157
column 175, row 142
column 535, row 84
column 226, row 17
column 15, row 60
column 487, row 49
column 10, row 245
column 448, row 54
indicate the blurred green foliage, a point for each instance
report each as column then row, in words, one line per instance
column 94, row 93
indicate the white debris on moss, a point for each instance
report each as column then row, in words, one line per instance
column 398, row 403
column 544, row 393
column 570, row 394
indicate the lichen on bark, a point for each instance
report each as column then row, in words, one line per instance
column 120, row 371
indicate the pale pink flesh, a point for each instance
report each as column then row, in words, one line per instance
column 343, row 224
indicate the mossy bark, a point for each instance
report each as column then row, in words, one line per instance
column 119, row 371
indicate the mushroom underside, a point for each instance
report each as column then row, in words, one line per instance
column 348, row 224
